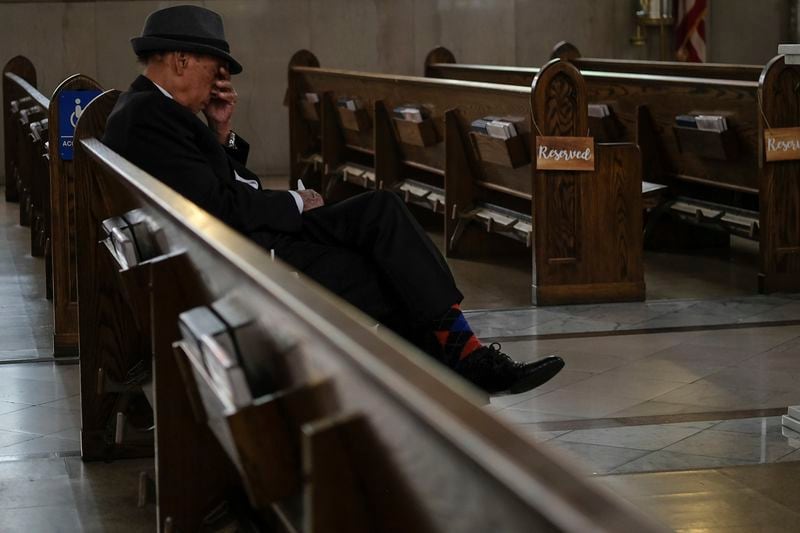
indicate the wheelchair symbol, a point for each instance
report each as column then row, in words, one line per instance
column 73, row 118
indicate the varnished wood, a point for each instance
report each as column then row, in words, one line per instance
column 305, row 140
column 23, row 68
column 576, row 211
column 24, row 166
column 511, row 152
column 352, row 485
column 569, row 52
column 112, row 339
column 779, row 183
column 388, row 160
column 186, row 454
column 420, row 430
column 461, row 174
column 61, row 224
column 647, row 96
column 438, row 55
column 501, row 174
column 415, row 133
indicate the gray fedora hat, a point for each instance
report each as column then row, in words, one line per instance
column 187, row 29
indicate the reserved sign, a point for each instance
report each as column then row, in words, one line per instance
column 565, row 153
column 782, row 144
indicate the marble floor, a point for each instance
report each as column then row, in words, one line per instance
column 26, row 318
column 742, row 499
column 651, row 315
column 682, row 419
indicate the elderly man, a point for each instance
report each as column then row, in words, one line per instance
column 367, row 249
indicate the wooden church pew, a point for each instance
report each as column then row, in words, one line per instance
column 25, row 111
column 719, row 181
column 478, row 183
column 355, row 430
column 39, row 178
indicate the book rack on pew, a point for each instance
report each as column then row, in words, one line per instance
column 583, row 229
column 720, row 181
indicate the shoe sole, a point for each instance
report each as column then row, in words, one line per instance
column 545, row 374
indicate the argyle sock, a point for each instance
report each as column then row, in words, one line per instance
column 455, row 336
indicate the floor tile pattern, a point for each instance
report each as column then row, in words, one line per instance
column 725, row 499
column 677, row 446
column 651, row 315
column 26, row 317
column 748, row 478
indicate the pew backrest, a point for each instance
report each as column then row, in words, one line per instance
column 467, row 171
column 727, row 167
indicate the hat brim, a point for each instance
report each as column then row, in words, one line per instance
column 160, row 44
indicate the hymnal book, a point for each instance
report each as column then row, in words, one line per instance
column 711, row 123
column 411, row 113
column 686, row 121
column 479, row 126
column 195, row 323
column 498, row 127
column 135, row 237
column 599, row 110
column 225, row 373
column 124, row 247
column 347, row 103
column 255, row 352
column 149, row 238
column 501, row 129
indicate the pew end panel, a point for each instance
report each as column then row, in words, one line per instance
column 438, row 55
column 62, row 219
column 305, row 150
column 588, row 245
column 26, row 109
column 565, row 51
column 779, row 182
column 21, row 67
column 115, row 344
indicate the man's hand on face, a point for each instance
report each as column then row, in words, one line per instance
column 219, row 110
column 311, row 199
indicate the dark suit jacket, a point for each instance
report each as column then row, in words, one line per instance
column 165, row 139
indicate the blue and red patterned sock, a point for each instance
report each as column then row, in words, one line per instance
column 455, row 336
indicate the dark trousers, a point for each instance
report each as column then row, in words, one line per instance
column 370, row 251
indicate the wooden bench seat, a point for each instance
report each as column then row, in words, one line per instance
column 38, row 178
column 26, row 125
column 479, row 184
column 358, row 432
column 725, row 171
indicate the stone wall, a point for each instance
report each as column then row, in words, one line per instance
column 62, row 38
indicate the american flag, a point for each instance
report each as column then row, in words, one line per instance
column 690, row 34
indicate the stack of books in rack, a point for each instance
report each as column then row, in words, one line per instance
column 410, row 112
column 135, row 237
column 702, row 122
column 498, row 127
column 348, row 103
column 599, row 110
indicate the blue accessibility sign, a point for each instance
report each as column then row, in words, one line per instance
column 70, row 106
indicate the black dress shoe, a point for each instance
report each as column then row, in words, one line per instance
column 496, row 373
